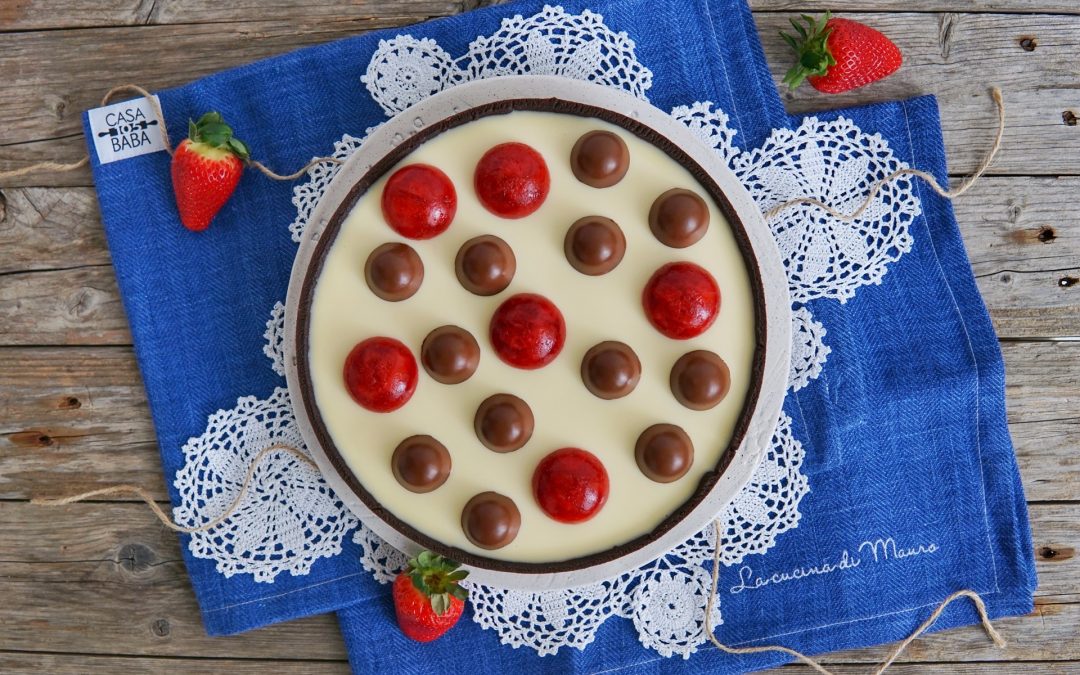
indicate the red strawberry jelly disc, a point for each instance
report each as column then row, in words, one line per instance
column 681, row 300
column 381, row 374
column 419, row 201
column 528, row 331
column 570, row 485
column 512, row 180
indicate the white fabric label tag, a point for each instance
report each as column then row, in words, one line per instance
column 126, row 129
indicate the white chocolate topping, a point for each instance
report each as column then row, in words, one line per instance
column 344, row 311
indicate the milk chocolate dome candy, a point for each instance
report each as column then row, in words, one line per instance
column 664, row 453
column 504, row 423
column 485, row 265
column 450, row 354
column 394, row 271
column 420, row 463
column 679, row 218
column 700, row 379
column 594, row 245
column 490, row 520
column 610, row 370
column 600, row 159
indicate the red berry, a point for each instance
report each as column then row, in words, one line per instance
column 837, row 55
column 428, row 598
column 381, row 374
column 528, row 331
column 206, row 168
column 681, row 300
column 512, row 180
column 570, row 485
column 419, row 201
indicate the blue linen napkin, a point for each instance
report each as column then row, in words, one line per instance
column 197, row 303
column 904, row 429
column 915, row 491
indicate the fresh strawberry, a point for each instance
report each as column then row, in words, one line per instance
column 428, row 598
column 205, row 170
column 837, row 55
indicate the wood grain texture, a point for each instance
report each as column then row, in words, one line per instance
column 881, row 6
column 76, row 419
column 25, row 15
column 957, row 57
column 103, row 589
column 108, row 579
column 954, row 55
column 56, row 285
column 36, row 663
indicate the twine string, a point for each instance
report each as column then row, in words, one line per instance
column 129, row 88
column 161, row 515
column 995, row 92
column 930, row 180
column 980, row 607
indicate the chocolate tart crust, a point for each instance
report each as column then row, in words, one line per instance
column 380, row 168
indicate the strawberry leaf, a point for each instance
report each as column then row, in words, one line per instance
column 798, row 28
column 460, row 593
column 440, row 603
column 437, row 578
column 212, row 130
column 239, row 148
column 418, row 580
column 811, row 49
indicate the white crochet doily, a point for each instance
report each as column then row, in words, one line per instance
column 808, row 348
column 837, row 163
column 287, row 519
column 275, row 339
column 291, row 519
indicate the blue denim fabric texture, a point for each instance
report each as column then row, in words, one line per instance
column 904, row 430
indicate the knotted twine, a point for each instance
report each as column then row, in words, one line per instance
column 168, row 522
column 57, row 166
column 980, row 605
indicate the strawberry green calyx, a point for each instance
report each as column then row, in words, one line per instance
column 815, row 59
column 212, row 131
column 437, row 578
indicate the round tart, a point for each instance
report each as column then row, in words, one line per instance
column 537, row 326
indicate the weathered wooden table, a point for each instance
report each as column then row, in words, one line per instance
column 100, row 586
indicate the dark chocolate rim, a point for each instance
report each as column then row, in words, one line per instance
column 377, row 170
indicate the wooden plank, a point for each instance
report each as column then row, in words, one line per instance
column 77, row 419
column 958, row 57
column 79, row 305
column 1026, row 636
column 35, row 663
column 25, row 15
column 1047, row 451
column 953, row 668
column 45, row 97
column 107, row 579
column 1020, row 232
column 943, row 52
column 44, row 229
column 839, row 7
column 1024, row 245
